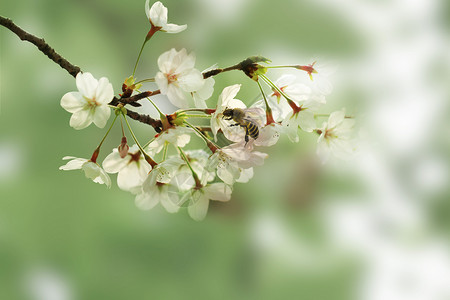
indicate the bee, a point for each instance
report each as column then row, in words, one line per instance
column 242, row 119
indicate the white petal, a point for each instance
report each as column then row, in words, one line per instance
column 101, row 115
column 73, row 102
column 336, row 118
column 169, row 200
column 183, row 62
column 91, row 170
column 166, row 61
column 130, row 177
column 74, row 164
column 177, row 97
column 113, row 163
column 307, row 121
column 227, row 94
column 162, row 82
column 198, row 209
column 146, row 201
column 191, row 81
column 103, row 178
column 104, row 92
column 268, row 135
column 183, row 140
column 285, row 80
column 81, row 119
column 158, row 14
column 246, row 175
column 173, row 28
column 147, row 8
column 86, row 84
column 256, row 158
column 218, row 191
column 205, row 92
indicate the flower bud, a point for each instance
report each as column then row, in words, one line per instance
column 123, row 148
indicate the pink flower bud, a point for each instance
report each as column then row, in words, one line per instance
column 123, row 148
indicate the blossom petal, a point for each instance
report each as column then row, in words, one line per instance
column 162, row 82
column 86, row 84
column 198, row 209
column 73, row 102
column 336, row 118
column 191, row 81
column 173, row 28
column 101, row 115
column 74, row 164
column 81, row 119
column 158, row 14
column 113, row 163
column 177, row 97
column 306, row 121
column 130, row 177
column 218, row 191
column 146, row 201
column 104, row 92
column 169, row 200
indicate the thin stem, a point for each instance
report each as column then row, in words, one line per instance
column 276, row 67
column 148, row 143
column 110, row 127
column 264, row 96
column 146, row 80
column 156, row 106
column 198, row 116
column 203, row 110
column 197, row 181
column 146, row 156
column 327, row 115
column 121, row 125
column 166, row 146
column 139, row 57
column 211, row 145
column 273, row 85
column 269, row 117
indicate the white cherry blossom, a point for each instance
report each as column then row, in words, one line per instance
column 199, row 198
column 244, row 154
column 132, row 169
column 227, row 101
column 157, row 15
column 90, row 103
column 227, row 168
column 335, row 137
column 91, row 169
column 178, row 136
column 178, row 77
column 156, row 188
column 303, row 118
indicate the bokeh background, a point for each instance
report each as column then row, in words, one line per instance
column 375, row 227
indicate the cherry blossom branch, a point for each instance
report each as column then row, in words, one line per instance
column 41, row 45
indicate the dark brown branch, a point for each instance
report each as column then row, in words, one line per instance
column 42, row 46
column 146, row 119
column 130, row 100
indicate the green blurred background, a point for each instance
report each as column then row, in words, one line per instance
column 376, row 227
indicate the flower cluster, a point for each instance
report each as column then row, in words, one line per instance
column 165, row 170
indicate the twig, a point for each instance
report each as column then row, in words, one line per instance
column 41, row 45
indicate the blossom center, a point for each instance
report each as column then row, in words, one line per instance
column 171, row 77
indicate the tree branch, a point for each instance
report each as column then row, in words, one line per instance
column 41, row 45
column 74, row 70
